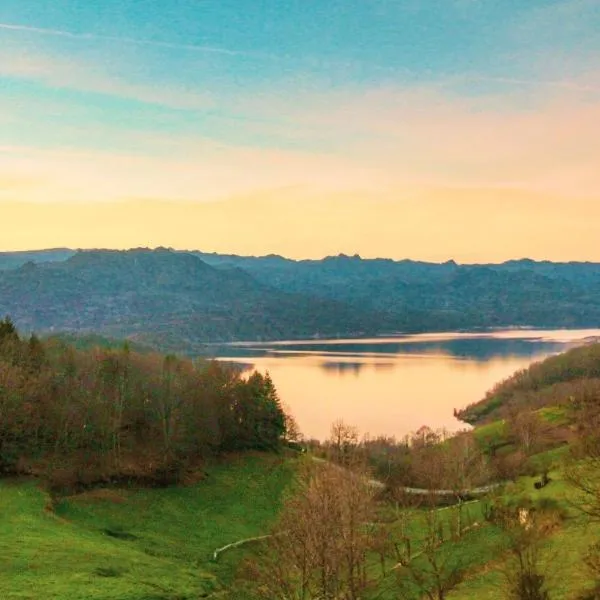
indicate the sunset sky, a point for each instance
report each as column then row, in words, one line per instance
column 426, row 129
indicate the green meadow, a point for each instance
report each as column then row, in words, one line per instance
column 136, row 544
column 158, row 544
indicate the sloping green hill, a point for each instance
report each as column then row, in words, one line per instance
column 136, row 544
column 560, row 379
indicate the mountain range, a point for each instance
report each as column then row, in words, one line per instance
column 182, row 299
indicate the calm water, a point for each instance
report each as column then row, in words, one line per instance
column 392, row 386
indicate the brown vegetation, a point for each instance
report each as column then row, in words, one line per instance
column 80, row 418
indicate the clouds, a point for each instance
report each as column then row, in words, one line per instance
column 70, row 35
column 538, row 137
column 417, row 115
column 71, row 73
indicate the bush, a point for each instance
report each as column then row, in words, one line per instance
column 109, row 571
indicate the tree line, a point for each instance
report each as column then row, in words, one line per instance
column 84, row 416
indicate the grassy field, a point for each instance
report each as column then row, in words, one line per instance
column 494, row 435
column 143, row 544
column 561, row 553
column 136, row 544
column 483, row 553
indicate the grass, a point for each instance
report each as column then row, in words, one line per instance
column 483, row 550
column 136, row 544
column 476, row 547
column 555, row 415
column 491, row 435
column 561, row 553
column 561, row 563
column 143, row 544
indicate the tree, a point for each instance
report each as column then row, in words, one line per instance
column 319, row 548
column 525, row 525
column 7, row 329
column 434, row 570
column 583, row 469
column 524, row 529
column 525, row 581
column 258, row 418
column 36, row 353
column 428, row 566
column 292, row 429
column 526, row 427
column 592, row 561
column 465, row 467
column 94, row 415
column 343, row 443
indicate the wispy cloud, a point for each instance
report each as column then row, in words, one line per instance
column 538, row 132
column 133, row 41
column 575, row 85
column 73, row 74
column 200, row 171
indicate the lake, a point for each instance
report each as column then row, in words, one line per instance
column 394, row 385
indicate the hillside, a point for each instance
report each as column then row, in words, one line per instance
column 121, row 474
column 181, row 300
column 14, row 260
column 172, row 300
column 522, row 292
column 77, row 418
column 136, row 544
column 564, row 379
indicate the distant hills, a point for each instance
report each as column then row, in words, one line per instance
column 179, row 300
column 13, row 260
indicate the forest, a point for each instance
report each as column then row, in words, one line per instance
column 82, row 417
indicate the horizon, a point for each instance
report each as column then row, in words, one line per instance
column 357, row 256
column 456, row 128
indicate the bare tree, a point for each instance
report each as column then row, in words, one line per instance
column 526, row 427
column 292, row 429
column 343, row 443
column 525, row 531
column 465, row 467
column 319, row 547
column 583, row 469
column 433, row 570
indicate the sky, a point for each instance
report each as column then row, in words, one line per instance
column 425, row 129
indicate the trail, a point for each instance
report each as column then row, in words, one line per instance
column 376, row 483
column 239, row 543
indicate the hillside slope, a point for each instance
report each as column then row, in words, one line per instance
column 451, row 295
column 179, row 300
column 558, row 380
column 173, row 300
column 14, row 260
column 137, row 544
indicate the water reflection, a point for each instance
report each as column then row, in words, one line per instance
column 341, row 368
column 391, row 386
column 477, row 347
